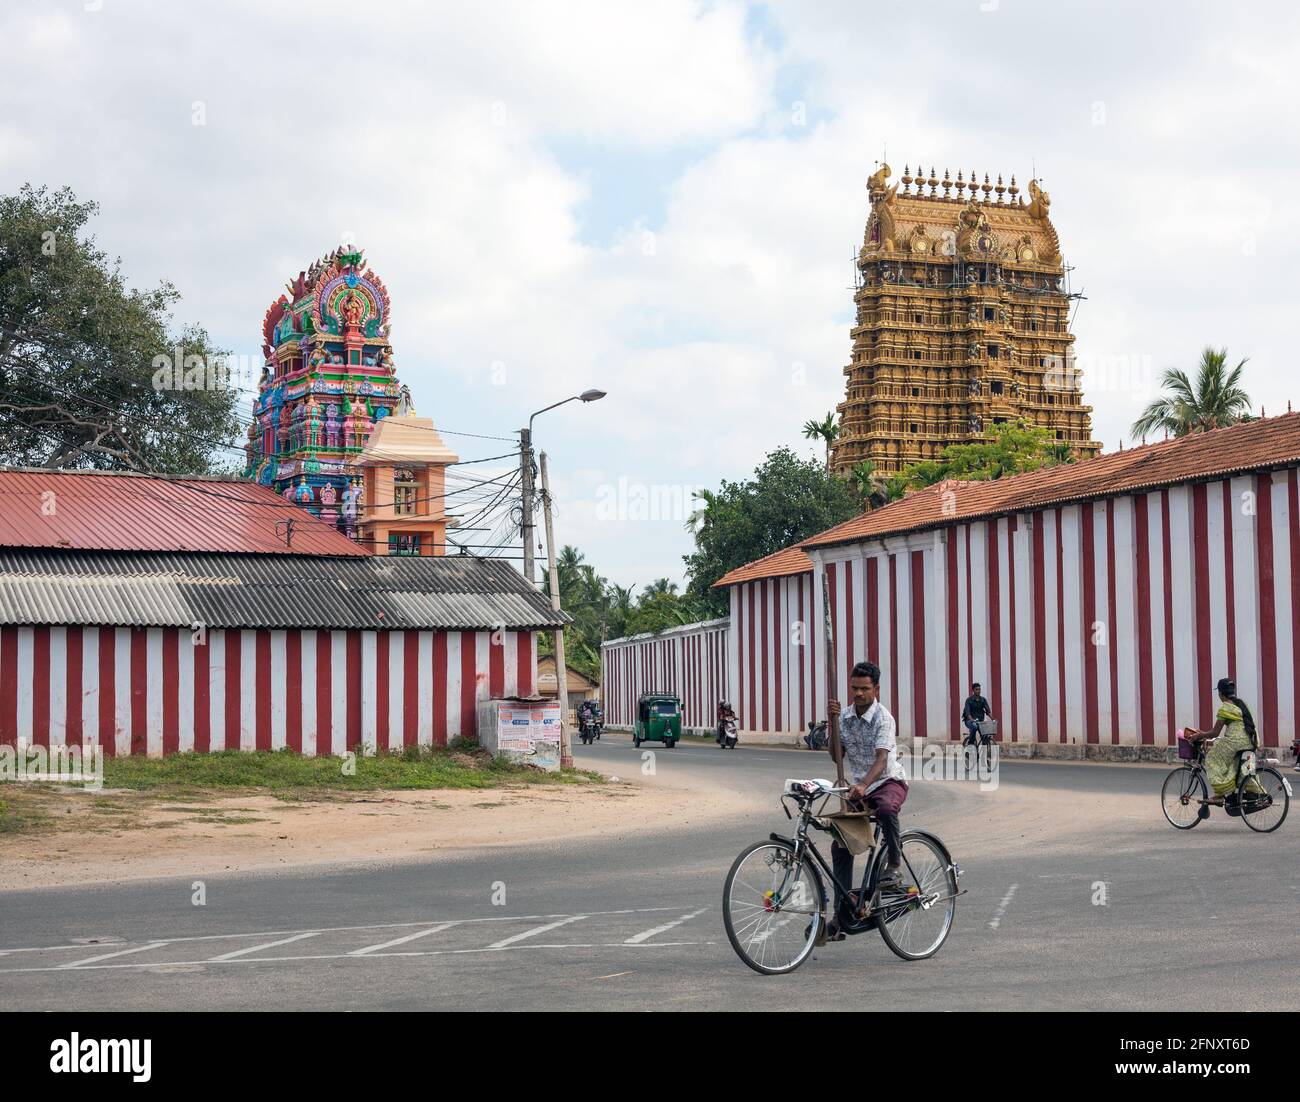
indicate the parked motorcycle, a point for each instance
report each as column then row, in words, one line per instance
column 816, row 738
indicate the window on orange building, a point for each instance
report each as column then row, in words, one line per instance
column 404, row 491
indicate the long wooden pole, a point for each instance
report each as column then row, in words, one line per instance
column 832, row 679
column 561, row 670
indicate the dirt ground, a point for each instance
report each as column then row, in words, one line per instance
column 116, row 834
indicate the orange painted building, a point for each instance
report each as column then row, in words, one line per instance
column 403, row 508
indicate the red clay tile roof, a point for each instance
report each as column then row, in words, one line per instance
column 790, row 560
column 1256, row 445
column 90, row 510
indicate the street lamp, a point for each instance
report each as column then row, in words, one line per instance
column 526, row 472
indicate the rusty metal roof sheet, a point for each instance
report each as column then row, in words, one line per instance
column 119, row 511
column 371, row 592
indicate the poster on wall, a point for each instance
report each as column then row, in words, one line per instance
column 525, row 731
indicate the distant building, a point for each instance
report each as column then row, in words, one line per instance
column 962, row 323
column 580, row 686
column 404, row 489
column 1096, row 602
column 155, row 615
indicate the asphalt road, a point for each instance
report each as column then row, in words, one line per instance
column 1198, row 919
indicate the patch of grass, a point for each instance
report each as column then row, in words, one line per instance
column 286, row 773
column 18, row 814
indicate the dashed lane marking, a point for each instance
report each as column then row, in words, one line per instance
column 345, row 929
column 505, row 942
column 1002, row 907
column 401, row 940
column 645, row 935
column 106, row 956
column 347, row 956
column 258, row 948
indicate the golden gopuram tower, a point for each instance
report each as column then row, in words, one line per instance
column 962, row 322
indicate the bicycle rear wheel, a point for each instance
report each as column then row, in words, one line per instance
column 1181, row 796
column 1264, row 809
column 915, row 919
column 773, row 907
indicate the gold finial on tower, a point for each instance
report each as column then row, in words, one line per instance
column 986, row 187
column 906, row 178
column 947, row 183
column 1013, row 191
column 1000, row 189
column 934, row 183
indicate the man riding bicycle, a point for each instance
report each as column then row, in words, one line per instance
column 973, row 713
column 868, row 737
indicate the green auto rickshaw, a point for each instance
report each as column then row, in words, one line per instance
column 658, row 719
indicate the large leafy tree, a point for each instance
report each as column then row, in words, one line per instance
column 1214, row 399
column 78, row 349
column 787, row 500
column 603, row 610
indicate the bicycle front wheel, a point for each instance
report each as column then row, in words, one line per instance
column 773, row 906
column 1181, row 796
column 914, row 918
column 1264, row 804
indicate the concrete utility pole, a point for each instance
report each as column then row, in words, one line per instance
column 526, row 475
column 561, row 670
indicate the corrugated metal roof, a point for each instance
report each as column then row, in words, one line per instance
column 1264, row 444
column 669, row 633
column 119, row 511
column 372, row 592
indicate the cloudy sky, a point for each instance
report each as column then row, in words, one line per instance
column 663, row 200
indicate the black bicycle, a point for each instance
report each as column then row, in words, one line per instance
column 774, row 903
column 1261, row 799
column 979, row 747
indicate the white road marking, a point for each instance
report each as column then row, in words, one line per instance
column 1002, row 907
column 645, row 935
column 350, row 929
column 265, row 945
column 401, row 940
column 535, row 931
column 119, row 953
column 370, row 956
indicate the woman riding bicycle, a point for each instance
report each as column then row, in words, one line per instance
column 1233, row 731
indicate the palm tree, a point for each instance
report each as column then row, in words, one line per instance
column 1214, row 401
column 872, row 488
column 700, row 517
column 826, row 430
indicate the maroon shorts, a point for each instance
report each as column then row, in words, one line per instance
column 888, row 797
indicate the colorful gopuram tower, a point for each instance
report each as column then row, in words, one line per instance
column 962, row 323
column 328, row 378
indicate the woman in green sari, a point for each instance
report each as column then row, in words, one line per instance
column 1233, row 731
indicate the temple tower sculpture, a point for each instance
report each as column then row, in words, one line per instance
column 962, row 322
column 328, row 379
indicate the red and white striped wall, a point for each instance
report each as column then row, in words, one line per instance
column 161, row 690
column 778, row 668
column 690, row 661
column 1106, row 623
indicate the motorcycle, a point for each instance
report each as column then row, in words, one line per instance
column 816, row 738
column 590, row 725
column 726, row 727
column 727, row 736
